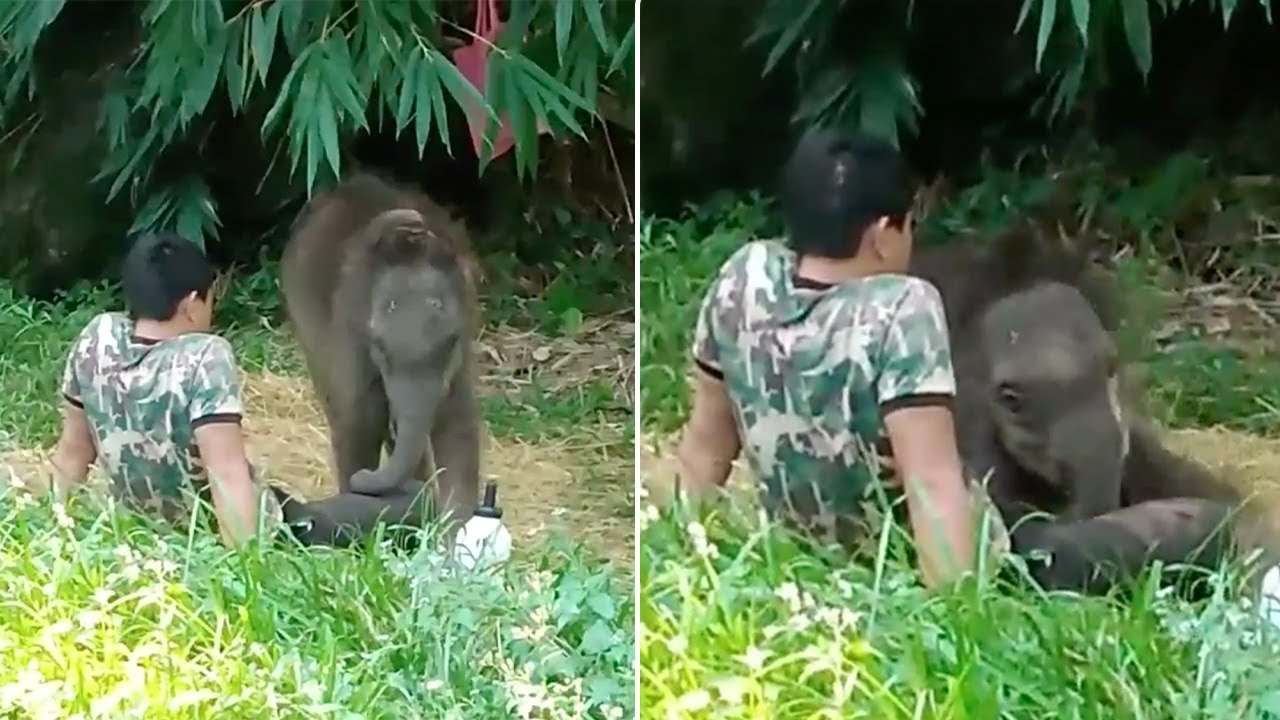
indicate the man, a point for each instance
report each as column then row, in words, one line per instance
column 819, row 356
column 154, row 396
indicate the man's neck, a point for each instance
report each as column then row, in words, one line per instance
column 832, row 271
column 159, row 329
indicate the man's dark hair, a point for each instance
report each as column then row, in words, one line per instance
column 835, row 185
column 160, row 270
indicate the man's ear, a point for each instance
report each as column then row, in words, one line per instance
column 184, row 305
column 879, row 236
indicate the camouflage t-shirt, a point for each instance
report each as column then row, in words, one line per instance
column 811, row 369
column 144, row 399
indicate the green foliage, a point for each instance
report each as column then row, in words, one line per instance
column 851, row 60
column 106, row 616
column 741, row 619
column 352, row 65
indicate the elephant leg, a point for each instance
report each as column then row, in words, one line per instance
column 357, row 429
column 455, row 445
column 1097, row 554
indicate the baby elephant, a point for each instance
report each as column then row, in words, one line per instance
column 378, row 286
column 1041, row 414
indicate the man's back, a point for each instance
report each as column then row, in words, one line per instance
column 144, row 399
column 810, row 369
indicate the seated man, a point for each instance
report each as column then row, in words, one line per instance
column 821, row 355
column 155, row 397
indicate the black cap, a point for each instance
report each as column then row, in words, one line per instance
column 489, row 505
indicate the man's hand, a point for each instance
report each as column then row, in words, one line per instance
column 929, row 468
column 235, row 496
column 75, row 451
column 710, row 442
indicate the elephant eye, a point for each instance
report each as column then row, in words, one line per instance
column 1009, row 397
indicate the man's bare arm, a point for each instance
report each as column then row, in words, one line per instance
column 75, row 450
column 710, row 441
column 929, row 468
column 235, row 497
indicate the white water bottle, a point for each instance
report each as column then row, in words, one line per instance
column 1269, row 605
column 484, row 540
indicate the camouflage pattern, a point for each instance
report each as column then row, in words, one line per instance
column 807, row 370
column 141, row 398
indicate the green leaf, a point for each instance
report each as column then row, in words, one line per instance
column 425, row 81
column 598, row 639
column 524, row 128
column 282, row 97
column 327, row 129
column 584, row 74
column 1228, row 9
column 234, row 70
column 564, row 23
column 1023, row 13
column 264, row 27
column 437, row 101
column 408, row 90
column 495, row 87
column 342, row 83
column 1137, row 29
column 1080, row 9
column 200, row 86
column 794, row 29
column 1048, row 13
column 460, row 89
column 626, row 49
column 596, row 19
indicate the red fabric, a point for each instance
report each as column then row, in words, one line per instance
column 473, row 63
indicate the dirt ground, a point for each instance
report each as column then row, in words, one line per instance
column 1249, row 462
column 571, row 484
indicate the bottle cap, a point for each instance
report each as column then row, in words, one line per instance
column 489, row 505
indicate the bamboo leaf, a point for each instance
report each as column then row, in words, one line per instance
column 1023, row 13
column 535, row 72
column 461, row 89
column 626, row 49
column 408, row 89
column 283, row 96
column 234, row 70
column 595, row 18
column 201, row 84
column 343, row 86
column 327, row 129
column 265, row 26
column 584, row 74
column 437, row 102
column 563, row 24
column 495, row 84
column 1048, row 13
column 794, row 29
column 1080, row 8
column 422, row 108
column 1137, row 29
column 519, row 121
column 1228, row 9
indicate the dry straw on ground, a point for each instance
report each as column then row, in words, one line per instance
column 1249, row 462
